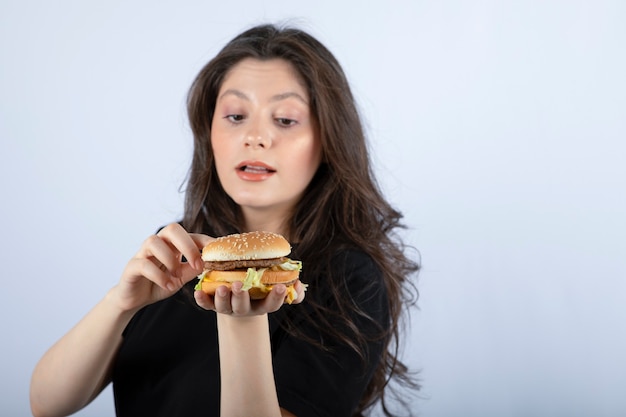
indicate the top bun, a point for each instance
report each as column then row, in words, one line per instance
column 246, row 246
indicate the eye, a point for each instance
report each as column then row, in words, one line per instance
column 284, row 122
column 235, row 118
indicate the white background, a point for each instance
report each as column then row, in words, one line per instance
column 497, row 127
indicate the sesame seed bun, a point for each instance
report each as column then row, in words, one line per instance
column 246, row 246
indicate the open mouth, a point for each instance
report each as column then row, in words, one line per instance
column 255, row 168
column 252, row 169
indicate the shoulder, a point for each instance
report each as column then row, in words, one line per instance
column 355, row 259
column 358, row 271
column 354, row 285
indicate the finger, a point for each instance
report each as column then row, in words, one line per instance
column 222, row 300
column 179, row 240
column 204, row 300
column 275, row 298
column 193, row 264
column 300, row 289
column 161, row 254
column 146, row 268
column 187, row 244
column 240, row 300
column 186, row 249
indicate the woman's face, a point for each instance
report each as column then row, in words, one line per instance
column 264, row 138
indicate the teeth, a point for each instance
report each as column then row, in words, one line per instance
column 255, row 169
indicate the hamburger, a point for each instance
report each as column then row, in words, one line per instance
column 258, row 259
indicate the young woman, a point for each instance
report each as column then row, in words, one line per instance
column 278, row 146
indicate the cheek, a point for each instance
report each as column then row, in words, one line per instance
column 220, row 144
column 309, row 159
column 218, row 138
column 221, row 154
column 216, row 148
column 315, row 154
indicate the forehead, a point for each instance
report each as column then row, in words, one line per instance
column 268, row 74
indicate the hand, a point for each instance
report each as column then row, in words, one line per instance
column 236, row 302
column 157, row 270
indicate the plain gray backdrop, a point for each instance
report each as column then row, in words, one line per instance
column 496, row 127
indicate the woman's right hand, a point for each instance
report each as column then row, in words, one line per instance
column 158, row 271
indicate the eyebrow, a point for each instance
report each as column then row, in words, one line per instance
column 277, row 97
column 284, row 96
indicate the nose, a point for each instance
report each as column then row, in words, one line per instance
column 257, row 141
column 257, row 137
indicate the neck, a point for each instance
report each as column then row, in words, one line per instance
column 265, row 220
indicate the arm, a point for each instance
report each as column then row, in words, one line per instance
column 245, row 350
column 76, row 369
column 239, row 338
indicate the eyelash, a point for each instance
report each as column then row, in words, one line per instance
column 235, row 118
column 282, row 121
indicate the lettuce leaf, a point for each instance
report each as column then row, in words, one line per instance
column 291, row 265
column 199, row 283
column 253, row 278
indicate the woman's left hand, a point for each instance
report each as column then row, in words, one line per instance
column 236, row 302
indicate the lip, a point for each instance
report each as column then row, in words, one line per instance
column 254, row 170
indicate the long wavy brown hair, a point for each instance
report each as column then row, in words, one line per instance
column 342, row 207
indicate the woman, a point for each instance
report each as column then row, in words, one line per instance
column 278, row 146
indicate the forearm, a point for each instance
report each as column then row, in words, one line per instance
column 76, row 368
column 247, row 377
